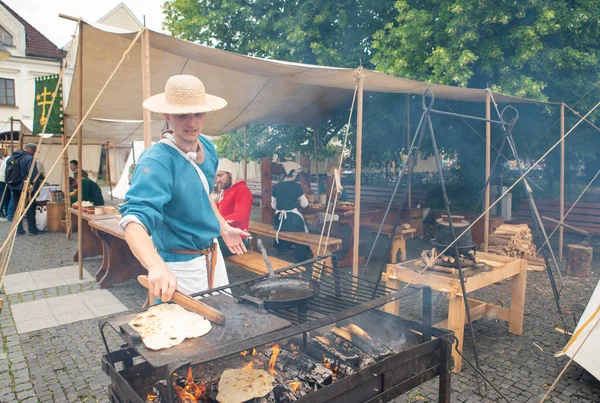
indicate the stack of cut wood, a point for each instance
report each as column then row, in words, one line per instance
column 514, row 240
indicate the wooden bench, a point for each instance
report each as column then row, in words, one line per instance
column 585, row 216
column 118, row 262
column 254, row 262
column 399, row 241
column 302, row 238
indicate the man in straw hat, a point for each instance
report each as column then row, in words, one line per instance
column 171, row 223
column 235, row 199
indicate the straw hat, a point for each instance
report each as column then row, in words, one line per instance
column 184, row 94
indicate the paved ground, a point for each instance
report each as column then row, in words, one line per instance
column 62, row 363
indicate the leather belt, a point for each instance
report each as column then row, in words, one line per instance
column 211, row 260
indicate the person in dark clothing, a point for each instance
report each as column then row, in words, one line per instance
column 24, row 158
column 90, row 191
column 74, row 167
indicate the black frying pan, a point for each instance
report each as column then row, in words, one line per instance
column 281, row 292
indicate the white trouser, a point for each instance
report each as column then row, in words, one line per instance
column 191, row 275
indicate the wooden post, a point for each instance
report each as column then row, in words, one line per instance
column 358, row 170
column 488, row 144
column 146, row 87
column 12, row 138
column 266, row 190
column 315, row 132
column 562, row 181
column 79, row 154
column 108, row 170
column 66, row 187
column 517, row 300
column 245, row 153
column 409, row 200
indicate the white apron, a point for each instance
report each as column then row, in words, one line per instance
column 283, row 216
column 191, row 275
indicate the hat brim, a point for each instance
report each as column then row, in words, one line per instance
column 158, row 104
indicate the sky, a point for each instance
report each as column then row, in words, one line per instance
column 43, row 14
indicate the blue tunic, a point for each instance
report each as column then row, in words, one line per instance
column 167, row 196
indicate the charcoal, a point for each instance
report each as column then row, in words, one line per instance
column 331, row 347
column 375, row 349
column 302, row 367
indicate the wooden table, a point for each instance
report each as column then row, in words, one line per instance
column 500, row 268
column 118, row 262
column 91, row 244
column 399, row 240
column 311, row 240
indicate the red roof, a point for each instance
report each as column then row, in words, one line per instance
column 36, row 44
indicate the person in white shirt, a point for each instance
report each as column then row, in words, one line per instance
column 4, row 191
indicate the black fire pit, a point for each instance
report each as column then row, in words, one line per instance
column 340, row 348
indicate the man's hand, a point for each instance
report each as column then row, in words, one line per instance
column 233, row 239
column 162, row 283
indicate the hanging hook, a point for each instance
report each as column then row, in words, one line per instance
column 428, row 93
column 512, row 122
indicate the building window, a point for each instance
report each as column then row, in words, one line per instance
column 7, row 91
column 5, row 37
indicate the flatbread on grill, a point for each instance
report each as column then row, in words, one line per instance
column 167, row 325
column 240, row 385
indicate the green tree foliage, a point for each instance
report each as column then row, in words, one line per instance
column 546, row 50
column 327, row 32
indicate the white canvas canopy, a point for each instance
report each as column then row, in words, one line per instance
column 257, row 90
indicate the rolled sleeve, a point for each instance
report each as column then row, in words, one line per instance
column 150, row 190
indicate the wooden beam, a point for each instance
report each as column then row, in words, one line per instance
column 12, row 138
column 146, row 88
column 358, row 170
column 266, row 186
column 488, row 143
column 66, row 186
column 315, row 136
column 79, row 154
column 517, row 300
column 562, row 181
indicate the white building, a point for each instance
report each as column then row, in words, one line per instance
column 31, row 55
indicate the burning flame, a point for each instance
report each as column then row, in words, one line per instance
column 294, row 386
column 184, row 395
column 327, row 363
column 273, row 359
column 192, row 388
column 253, row 351
column 249, row 366
column 244, row 353
column 151, row 397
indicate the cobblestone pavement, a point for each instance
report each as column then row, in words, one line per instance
column 62, row 364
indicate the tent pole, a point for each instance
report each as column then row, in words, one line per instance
column 245, row 153
column 315, row 135
column 12, row 136
column 80, row 162
column 562, row 181
column 108, row 169
column 409, row 195
column 146, row 87
column 359, row 121
column 488, row 156
column 67, row 200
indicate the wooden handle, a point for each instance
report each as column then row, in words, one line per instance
column 191, row 304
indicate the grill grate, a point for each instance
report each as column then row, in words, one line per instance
column 339, row 290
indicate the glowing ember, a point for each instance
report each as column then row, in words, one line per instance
column 244, row 353
column 323, row 340
column 327, row 363
column 358, row 331
column 249, row 366
column 151, row 398
column 253, row 351
column 273, row 359
column 294, row 386
column 184, row 395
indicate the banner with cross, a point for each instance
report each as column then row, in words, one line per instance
column 44, row 88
